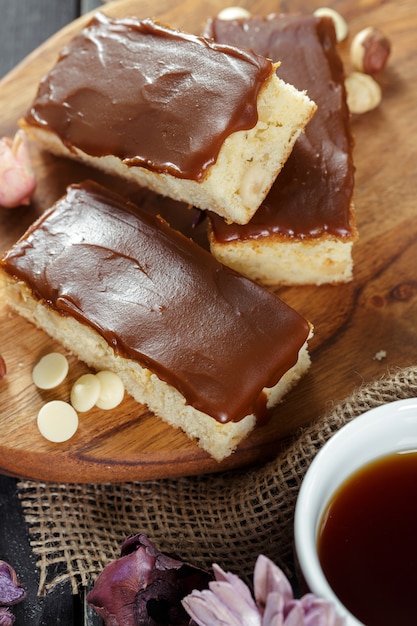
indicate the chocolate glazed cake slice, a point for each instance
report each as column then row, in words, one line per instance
column 206, row 349
column 200, row 122
column 304, row 231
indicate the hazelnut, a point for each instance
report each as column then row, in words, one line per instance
column 253, row 183
column 363, row 92
column 233, row 13
column 369, row 51
column 340, row 24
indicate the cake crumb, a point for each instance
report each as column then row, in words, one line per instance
column 381, row 354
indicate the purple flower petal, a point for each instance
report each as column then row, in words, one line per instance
column 11, row 591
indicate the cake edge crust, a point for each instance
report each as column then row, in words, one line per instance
column 281, row 261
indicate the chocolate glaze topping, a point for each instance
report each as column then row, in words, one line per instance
column 312, row 195
column 152, row 96
column 159, row 298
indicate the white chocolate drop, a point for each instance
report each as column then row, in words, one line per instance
column 85, row 392
column 112, row 390
column 50, row 371
column 57, row 421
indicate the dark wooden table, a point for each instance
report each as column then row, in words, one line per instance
column 24, row 25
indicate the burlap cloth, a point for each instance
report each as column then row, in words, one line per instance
column 227, row 518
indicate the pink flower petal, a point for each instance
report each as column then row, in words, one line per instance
column 207, row 609
column 316, row 612
column 244, row 609
column 228, row 601
column 17, row 180
column 295, row 617
column 235, row 582
column 269, row 578
column 274, row 610
column 320, row 612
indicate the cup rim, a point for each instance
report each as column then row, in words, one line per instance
column 392, row 428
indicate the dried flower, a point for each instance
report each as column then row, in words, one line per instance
column 228, row 601
column 144, row 587
column 17, row 180
column 11, row 592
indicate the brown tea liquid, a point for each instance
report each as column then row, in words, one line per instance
column 367, row 542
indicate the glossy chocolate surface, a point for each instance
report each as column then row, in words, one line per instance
column 313, row 193
column 159, row 298
column 149, row 95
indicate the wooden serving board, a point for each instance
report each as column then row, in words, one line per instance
column 354, row 322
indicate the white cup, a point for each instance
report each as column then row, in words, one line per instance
column 387, row 429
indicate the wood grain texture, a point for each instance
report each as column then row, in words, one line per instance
column 376, row 312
